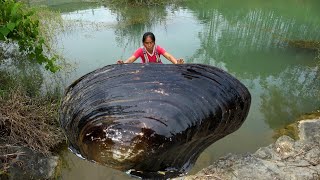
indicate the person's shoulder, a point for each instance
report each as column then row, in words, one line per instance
column 139, row 49
column 160, row 49
column 138, row 52
column 158, row 46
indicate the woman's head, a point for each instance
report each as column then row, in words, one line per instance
column 150, row 35
column 148, row 40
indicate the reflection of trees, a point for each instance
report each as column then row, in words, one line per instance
column 290, row 94
column 64, row 5
column 252, row 43
column 133, row 22
column 231, row 34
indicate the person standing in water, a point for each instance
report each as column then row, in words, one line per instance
column 150, row 52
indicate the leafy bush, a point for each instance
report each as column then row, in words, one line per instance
column 18, row 24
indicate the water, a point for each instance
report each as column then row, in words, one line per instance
column 249, row 39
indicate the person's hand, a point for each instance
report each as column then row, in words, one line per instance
column 120, row 62
column 180, row 61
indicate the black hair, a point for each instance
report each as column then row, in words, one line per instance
column 148, row 34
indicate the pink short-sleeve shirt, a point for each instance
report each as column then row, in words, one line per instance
column 152, row 59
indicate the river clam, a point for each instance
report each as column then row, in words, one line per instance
column 151, row 120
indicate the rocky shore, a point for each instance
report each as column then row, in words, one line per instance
column 284, row 159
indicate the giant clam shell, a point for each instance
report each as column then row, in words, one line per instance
column 151, row 120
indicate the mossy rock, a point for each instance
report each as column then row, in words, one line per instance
column 292, row 130
column 313, row 115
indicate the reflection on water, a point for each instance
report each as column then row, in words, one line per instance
column 132, row 24
column 82, row 169
column 249, row 39
column 290, row 94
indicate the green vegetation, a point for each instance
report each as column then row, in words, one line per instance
column 30, row 122
column 19, row 24
column 29, row 103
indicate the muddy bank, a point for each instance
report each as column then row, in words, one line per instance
column 284, row 159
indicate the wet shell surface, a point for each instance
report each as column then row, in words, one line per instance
column 151, row 120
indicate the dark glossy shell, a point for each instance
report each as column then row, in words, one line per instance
column 152, row 120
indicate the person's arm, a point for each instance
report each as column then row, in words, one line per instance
column 129, row 60
column 173, row 59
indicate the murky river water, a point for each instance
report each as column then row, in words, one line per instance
column 249, row 39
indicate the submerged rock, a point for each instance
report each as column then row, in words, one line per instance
column 151, row 120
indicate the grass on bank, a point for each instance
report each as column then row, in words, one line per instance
column 28, row 117
column 29, row 122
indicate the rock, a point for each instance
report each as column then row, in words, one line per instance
column 309, row 130
column 284, row 146
column 284, row 159
column 32, row 165
column 152, row 120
